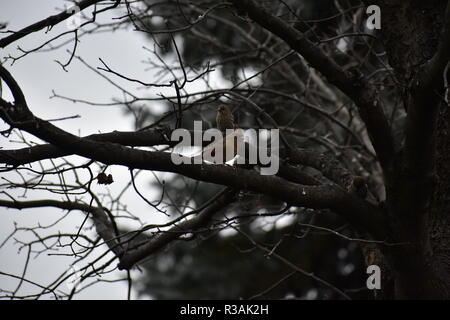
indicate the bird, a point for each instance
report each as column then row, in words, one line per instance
column 103, row 178
column 358, row 186
column 224, row 118
column 226, row 148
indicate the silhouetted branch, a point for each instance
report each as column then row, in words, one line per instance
column 46, row 23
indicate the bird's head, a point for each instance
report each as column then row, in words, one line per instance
column 223, row 109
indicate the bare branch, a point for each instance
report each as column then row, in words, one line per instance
column 46, row 23
column 191, row 225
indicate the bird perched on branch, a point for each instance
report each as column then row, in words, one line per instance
column 226, row 148
column 224, row 118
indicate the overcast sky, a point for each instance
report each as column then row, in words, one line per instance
column 38, row 74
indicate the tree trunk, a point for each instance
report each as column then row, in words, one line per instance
column 418, row 208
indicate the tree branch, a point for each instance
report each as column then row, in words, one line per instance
column 47, row 22
column 327, row 165
column 351, row 84
column 102, row 223
column 145, row 138
column 162, row 239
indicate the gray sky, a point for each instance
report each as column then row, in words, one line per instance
column 38, row 74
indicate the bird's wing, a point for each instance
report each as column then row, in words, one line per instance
column 224, row 149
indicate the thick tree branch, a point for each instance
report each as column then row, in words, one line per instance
column 146, row 138
column 327, row 165
column 160, row 136
column 354, row 209
column 349, row 83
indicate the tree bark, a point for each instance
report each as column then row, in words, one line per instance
column 418, row 200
